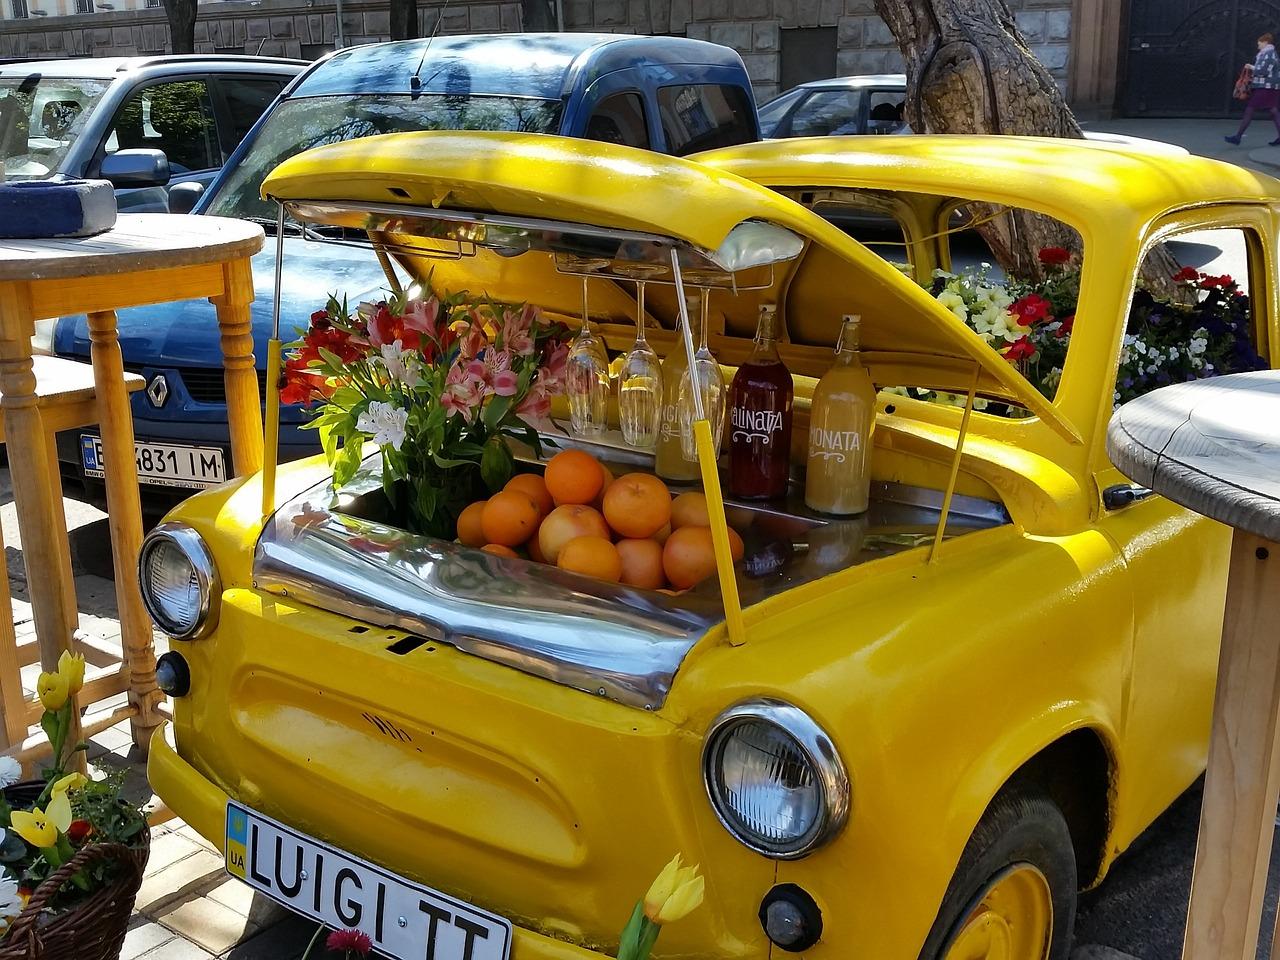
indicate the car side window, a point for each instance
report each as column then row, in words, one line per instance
column 885, row 111
column 620, row 119
column 701, row 116
column 829, row 113
column 245, row 99
column 174, row 117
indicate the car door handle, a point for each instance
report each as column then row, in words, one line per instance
column 1123, row 494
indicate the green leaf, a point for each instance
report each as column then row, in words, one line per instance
column 496, row 463
column 496, row 410
column 629, row 944
column 348, row 462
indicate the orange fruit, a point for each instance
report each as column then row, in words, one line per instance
column 689, row 555
column 469, row 530
column 592, row 556
column 574, row 476
column 661, row 535
column 689, row 510
column 566, row 522
column 535, row 488
column 736, row 546
column 535, row 551
column 642, row 563
column 509, row 518
column 607, row 482
column 499, row 550
column 637, row 505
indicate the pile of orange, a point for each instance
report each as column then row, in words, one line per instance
column 579, row 518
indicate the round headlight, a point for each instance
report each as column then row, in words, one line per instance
column 178, row 580
column 774, row 779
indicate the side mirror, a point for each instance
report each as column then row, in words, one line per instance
column 183, row 197
column 136, row 168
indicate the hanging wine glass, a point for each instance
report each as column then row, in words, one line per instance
column 640, row 386
column 587, row 378
column 706, row 373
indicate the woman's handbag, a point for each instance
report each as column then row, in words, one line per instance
column 1242, row 90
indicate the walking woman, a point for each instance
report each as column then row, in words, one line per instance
column 1264, row 80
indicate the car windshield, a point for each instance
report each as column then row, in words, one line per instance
column 40, row 118
column 297, row 125
column 772, row 112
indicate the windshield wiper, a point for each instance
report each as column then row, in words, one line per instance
column 289, row 226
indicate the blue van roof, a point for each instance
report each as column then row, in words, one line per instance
column 542, row 65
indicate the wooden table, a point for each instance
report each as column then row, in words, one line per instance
column 1214, row 447
column 144, row 259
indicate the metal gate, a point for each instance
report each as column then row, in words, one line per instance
column 1184, row 55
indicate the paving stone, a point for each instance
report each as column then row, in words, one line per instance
column 285, row 939
column 178, row 949
column 236, row 895
column 187, row 878
column 167, row 849
column 144, row 935
column 210, row 924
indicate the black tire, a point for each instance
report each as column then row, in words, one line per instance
column 1019, row 827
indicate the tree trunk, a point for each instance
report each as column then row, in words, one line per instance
column 182, row 25
column 969, row 70
column 404, row 19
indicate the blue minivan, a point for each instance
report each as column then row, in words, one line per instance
column 669, row 94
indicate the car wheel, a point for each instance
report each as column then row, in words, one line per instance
column 1013, row 895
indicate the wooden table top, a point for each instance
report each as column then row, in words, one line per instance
column 138, row 241
column 1212, row 446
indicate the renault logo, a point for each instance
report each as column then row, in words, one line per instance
column 158, row 390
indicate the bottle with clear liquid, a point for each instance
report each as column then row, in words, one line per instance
column 838, row 478
column 669, row 459
column 760, row 418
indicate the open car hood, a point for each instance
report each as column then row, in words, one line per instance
column 523, row 217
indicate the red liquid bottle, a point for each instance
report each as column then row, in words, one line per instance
column 760, row 418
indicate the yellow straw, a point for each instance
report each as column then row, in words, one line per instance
column 719, row 533
column 271, row 427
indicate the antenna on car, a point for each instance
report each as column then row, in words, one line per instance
column 415, row 82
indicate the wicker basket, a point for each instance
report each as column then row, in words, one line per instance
column 94, row 928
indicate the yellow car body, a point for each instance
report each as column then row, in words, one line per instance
column 1073, row 645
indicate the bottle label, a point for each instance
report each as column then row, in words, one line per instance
column 833, row 444
column 670, row 421
column 751, row 425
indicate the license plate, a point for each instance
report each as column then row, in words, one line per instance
column 404, row 920
column 162, row 464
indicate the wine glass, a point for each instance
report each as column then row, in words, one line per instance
column 708, row 376
column 587, row 378
column 640, row 386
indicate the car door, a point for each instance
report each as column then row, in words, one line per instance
column 175, row 115
column 835, row 112
column 240, row 100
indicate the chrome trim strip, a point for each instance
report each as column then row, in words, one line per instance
column 606, row 639
column 813, row 742
column 193, row 547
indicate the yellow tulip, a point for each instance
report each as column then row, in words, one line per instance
column 72, row 781
column 58, row 812
column 675, row 892
column 71, row 666
column 53, row 690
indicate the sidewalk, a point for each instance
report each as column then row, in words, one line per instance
column 1204, row 137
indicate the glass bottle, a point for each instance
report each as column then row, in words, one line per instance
column 838, row 478
column 640, row 386
column 760, row 417
column 587, row 379
column 669, row 460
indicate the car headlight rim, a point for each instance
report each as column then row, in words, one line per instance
column 191, row 546
column 818, row 750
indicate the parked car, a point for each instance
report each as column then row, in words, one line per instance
column 872, row 103
column 144, row 123
column 668, row 94
column 938, row 726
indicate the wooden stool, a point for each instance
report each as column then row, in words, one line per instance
column 66, row 399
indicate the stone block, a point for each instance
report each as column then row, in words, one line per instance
column 765, row 91
column 259, row 28
column 120, row 37
column 301, row 29
column 679, row 16
column 485, row 18
column 766, row 37
column 377, row 23
column 240, row 32
column 352, row 23
column 698, row 31
column 102, row 37
column 202, row 33
column 859, row 6
column 761, row 67
column 265, row 48
column 281, row 27
column 577, row 14
column 752, row 9
column 656, row 16
column 829, row 12
column 512, row 18
column 331, row 29
column 809, row 12
column 456, row 21
column 876, row 33
column 35, row 43
column 610, row 13
column 208, row 923
column 851, row 63
column 1052, row 55
column 315, row 27
column 1031, row 23
column 293, row 48
column 143, row 936
column 736, row 35
column 1057, row 25
column 849, row 32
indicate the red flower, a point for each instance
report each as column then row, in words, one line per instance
column 336, row 341
column 385, row 327
column 1209, row 283
column 320, row 319
column 1186, row 274
column 79, row 830
column 349, row 940
column 1054, row 256
column 1066, row 326
column 1032, row 308
column 1020, row 349
column 298, row 384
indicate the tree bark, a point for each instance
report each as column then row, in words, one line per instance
column 404, row 19
column 181, row 15
column 970, row 71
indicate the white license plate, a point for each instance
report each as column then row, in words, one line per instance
column 404, row 920
column 162, row 464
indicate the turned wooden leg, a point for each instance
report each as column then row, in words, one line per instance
column 13, row 705
column 1243, row 779
column 244, row 407
column 124, row 518
column 37, row 492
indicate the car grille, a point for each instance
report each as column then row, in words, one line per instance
column 205, row 384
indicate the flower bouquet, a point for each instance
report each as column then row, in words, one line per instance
column 438, row 383
column 72, row 850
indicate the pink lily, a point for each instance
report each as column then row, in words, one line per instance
column 516, row 327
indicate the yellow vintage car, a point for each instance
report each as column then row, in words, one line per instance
column 920, row 748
